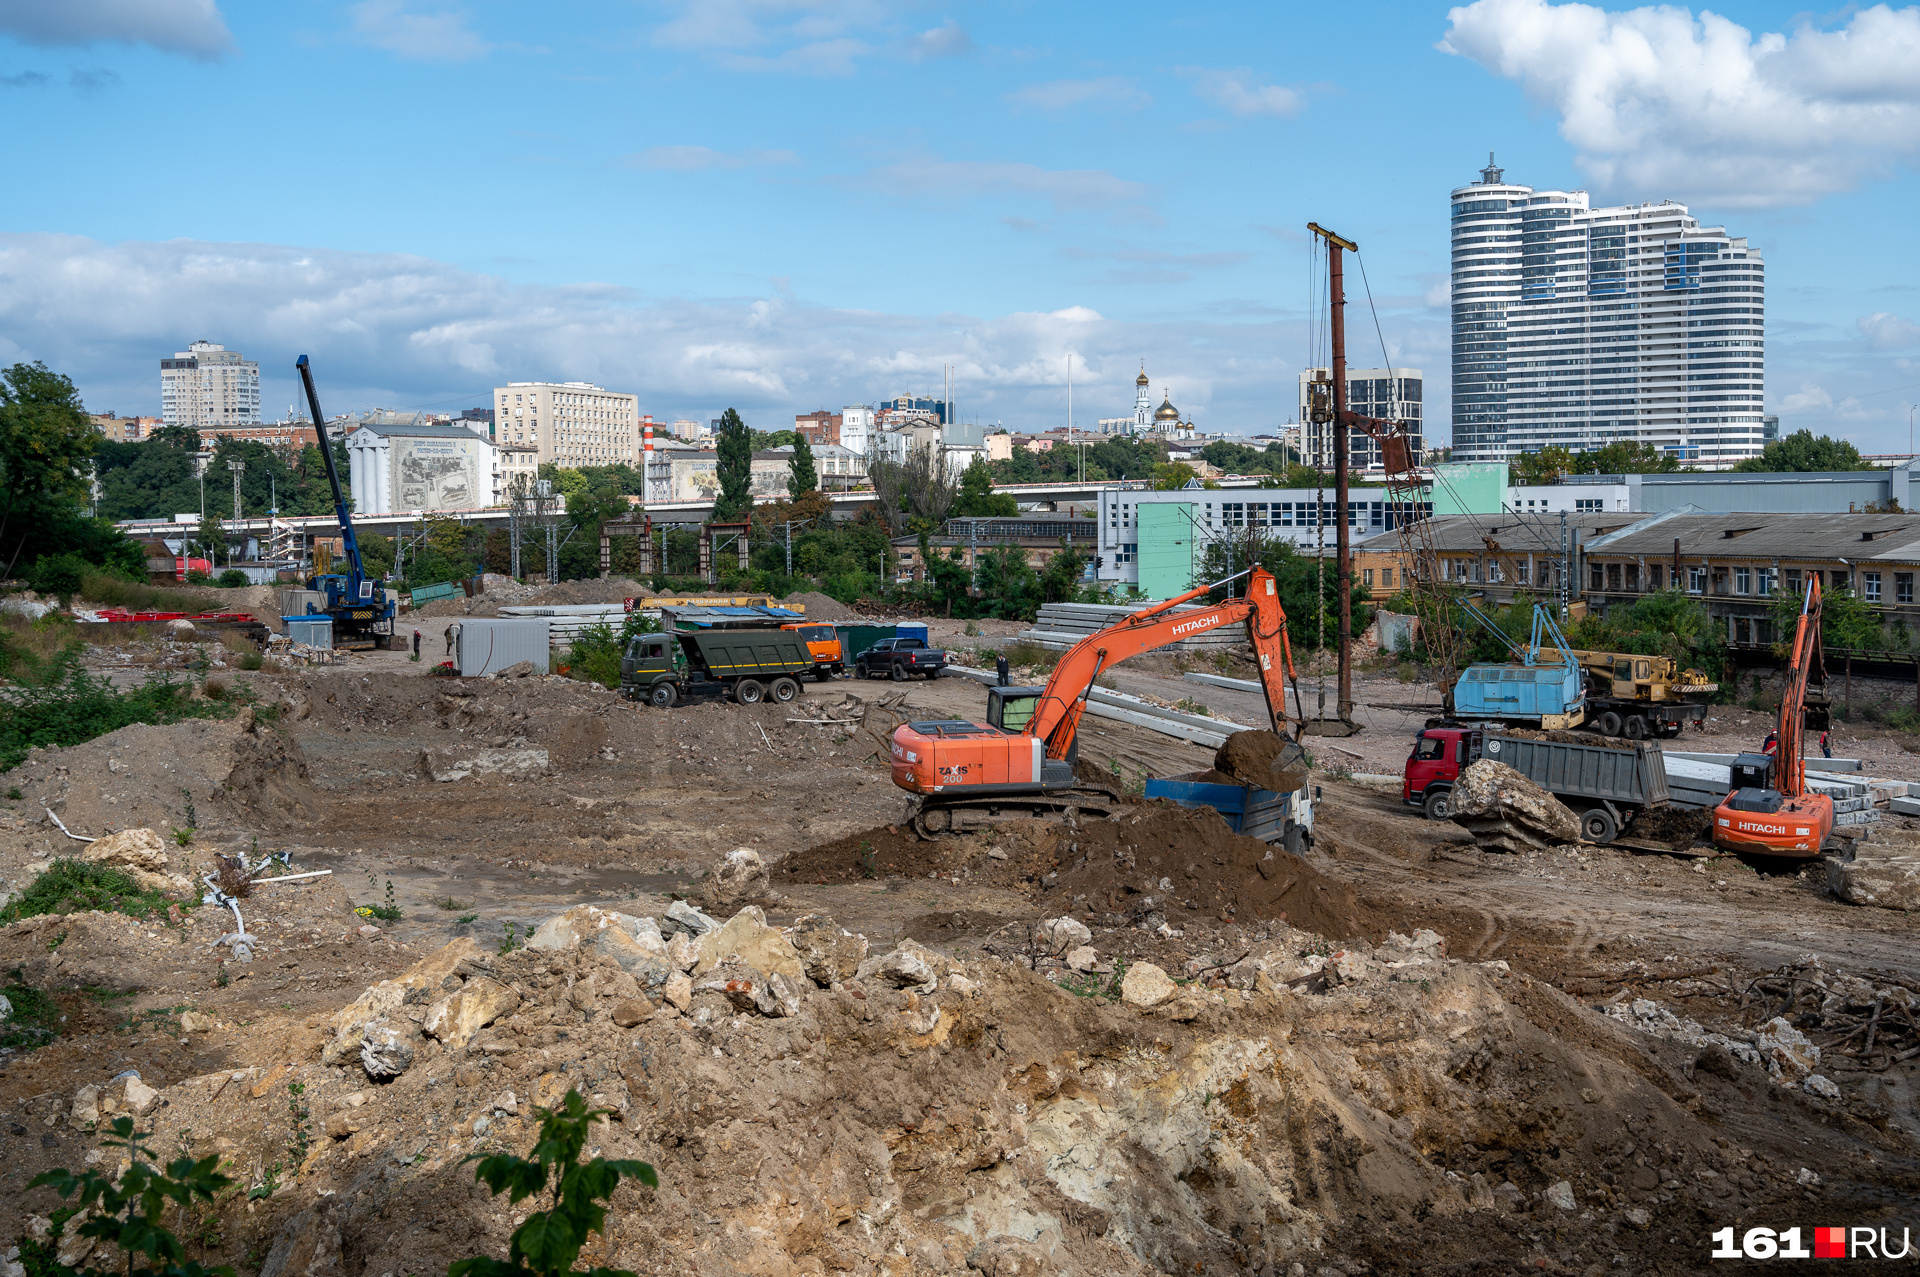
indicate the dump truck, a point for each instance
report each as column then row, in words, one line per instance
column 1286, row 819
column 749, row 666
column 1606, row 787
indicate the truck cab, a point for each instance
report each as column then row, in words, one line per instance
column 1439, row 754
column 823, row 643
column 650, row 660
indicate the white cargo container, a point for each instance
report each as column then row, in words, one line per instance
column 485, row 644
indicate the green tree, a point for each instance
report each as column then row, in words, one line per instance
column 46, row 440
column 1804, row 451
column 128, row 1209
column 735, row 467
column 1548, row 465
column 1170, row 475
column 60, row 575
column 977, row 499
column 802, row 478
column 1626, row 456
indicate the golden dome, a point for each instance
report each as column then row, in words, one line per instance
column 1166, row 411
column 1141, row 380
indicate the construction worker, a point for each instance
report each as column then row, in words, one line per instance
column 1772, row 742
column 1826, row 744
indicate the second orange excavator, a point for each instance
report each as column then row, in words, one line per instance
column 1020, row 762
column 1784, row 817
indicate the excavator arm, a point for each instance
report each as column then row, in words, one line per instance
column 1790, row 761
column 1056, row 718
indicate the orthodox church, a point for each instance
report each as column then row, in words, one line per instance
column 1148, row 420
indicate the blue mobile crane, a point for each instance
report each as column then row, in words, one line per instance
column 1529, row 693
column 358, row 605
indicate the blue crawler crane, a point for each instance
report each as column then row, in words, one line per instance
column 360, row 607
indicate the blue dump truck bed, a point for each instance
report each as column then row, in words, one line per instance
column 1247, row 809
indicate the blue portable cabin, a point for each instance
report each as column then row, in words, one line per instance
column 1541, row 689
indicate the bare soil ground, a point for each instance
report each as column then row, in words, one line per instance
column 1321, row 1095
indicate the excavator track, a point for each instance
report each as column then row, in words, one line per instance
column 945, row 817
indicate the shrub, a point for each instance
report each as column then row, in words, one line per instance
column 35, row 1020
column 126, row 1210
column 232, row 579
column 74, row 886
column 58, row 574
column 596, row 652
column 109, row 590
column 1027, row 653
column 62, row 704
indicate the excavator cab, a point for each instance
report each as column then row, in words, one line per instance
column 1011, row 708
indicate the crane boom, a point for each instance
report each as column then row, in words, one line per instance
column 356, row 572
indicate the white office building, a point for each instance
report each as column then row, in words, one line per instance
column 572, row 423
column 207, row 386
column 1390, row 394
column 856, row 428
column 1581, row 326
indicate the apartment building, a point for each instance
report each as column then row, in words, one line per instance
column 818, row 427
column 207, row 385
column 571, row 423
column 124, row 429
column 1580, row 326
column 1391, row 394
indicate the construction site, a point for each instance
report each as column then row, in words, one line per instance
column 1128, row 941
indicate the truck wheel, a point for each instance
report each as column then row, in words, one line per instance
column 748, row 692
column 900, row 674
column 783, row 690
column 1608, row 724
column 1636, row 728
column 1439, row 806
column 1295, row 840
column 663, row 695
column 1597, row 825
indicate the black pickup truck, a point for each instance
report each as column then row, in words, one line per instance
column 901, row 658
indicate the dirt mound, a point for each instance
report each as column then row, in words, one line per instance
column 1263, row 758
column 1680, row 827
column 1169, row 858
column 1566, row 737
column 821, row 607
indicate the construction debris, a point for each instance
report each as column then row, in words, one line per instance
column 1504, row 811
column 1882, row 869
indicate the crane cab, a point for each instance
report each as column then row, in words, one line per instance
column 1011, row 708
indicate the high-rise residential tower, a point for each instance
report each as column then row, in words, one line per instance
column 1582, row 326
column 207, row 386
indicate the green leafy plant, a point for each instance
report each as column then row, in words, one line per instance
column 14, row 794
column 868, row 866
column 466, row 917
column 299, row 1124
column 127, row 1212
column 35, row 1020
column 62, row 704
column 510, row 944
column 231, row 579
column 182, row 837
column 269, row 1183
column 549, row 1242
column 74, row 886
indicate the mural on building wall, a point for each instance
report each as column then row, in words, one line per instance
column 436, row 474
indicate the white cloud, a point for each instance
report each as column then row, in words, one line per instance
column 1060, row 95
column 948, row 40
column 808, row 37
column 192, row 27
column 1242, row 94
column 397, row 330
column 694, row 159
column 1886, row 331
column 1665, row 105
column 956, row 179
column 438, row 36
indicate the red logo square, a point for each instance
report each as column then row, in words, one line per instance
column 1829, row 1243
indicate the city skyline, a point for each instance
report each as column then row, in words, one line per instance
column 779, row 209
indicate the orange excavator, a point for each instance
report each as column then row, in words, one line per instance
column 1770, row 811
column 1020, row 763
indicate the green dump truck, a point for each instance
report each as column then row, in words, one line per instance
column 749, row 665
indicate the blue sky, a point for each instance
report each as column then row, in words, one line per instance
column 779, row 205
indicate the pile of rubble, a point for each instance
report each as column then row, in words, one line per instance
column 1504, row 811
column 1882, row 868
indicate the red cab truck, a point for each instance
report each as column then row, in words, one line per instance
column 1605, row 787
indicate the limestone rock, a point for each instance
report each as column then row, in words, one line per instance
column 142, row 855
column 1504, row 811
column 678, row 991
column 644, row 931
column 194, row 1022
column 1005, row 1256
column 458, row 764
column 519, row 669
column 908, row 966
column 1146, row 985
column 1560, row 1194
column 139, row 1096
column 579, row 925
column 1821, row 1086
column 309, row 1245
column 1348, row 966
column 767, row 993
column 747, row 938
column 385, row 1051
column 1881, row 873
column 86, row 1106
column 628, row 1012
column 1085, row 959
column 1064, row 933
column 1789, row 1056
column 829, row 953
column 455, row 1018
column 648, row 965
column 420, row 983
column 684, row 917
column 740, row 875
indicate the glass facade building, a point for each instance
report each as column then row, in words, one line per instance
column 1579, row 327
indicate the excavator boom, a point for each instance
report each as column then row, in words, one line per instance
column 1784, row 818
